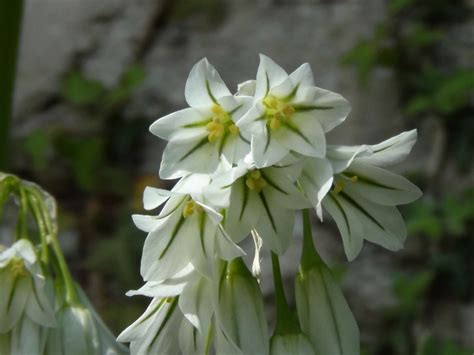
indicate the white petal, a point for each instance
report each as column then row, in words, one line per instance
column 204, row 85
column 13, row 297
column 195, row 303
column 225, row 248
column 283, row 90
column 27, row 338
column 341, row 156
column 348, row 225
column 139, row 328
column 147, row 223
column 275, row 226
column 247, row 88
column 253, row 119
column 192, row 157
column 269, row 74
column 316, row 181
column 324, row 314
column 329, row 108
column 167, row 288
column 381, row 186
column 191, row 342
column 172, row 126
column 302, row 76
column 280, row 191
column 244, row 211
column 266, row 149
column 39, row 308
column 154, row 198
column 392, row 151
column 303, row 135
column 285, row 344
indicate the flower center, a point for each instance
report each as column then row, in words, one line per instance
column 277, row 110
column 220, row 125
column 339, row 185
column 190, row 207
column 255, row 181
column 17, row 267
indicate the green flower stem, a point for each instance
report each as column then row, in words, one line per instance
column 309, row 255
column 287, row 322
column 10, row 24
column 22, row 223
column 43, row 231
column 71, row 293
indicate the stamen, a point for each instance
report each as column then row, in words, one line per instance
column 276, row 111
column 190, row 208
column 233, row 129
column 255, row 181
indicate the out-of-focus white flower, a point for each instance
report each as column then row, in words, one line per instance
column 156, row 331
column 324, row 314
column 22, row 291
column 201, row 135
column 241, row 323
column 290, row 114
column 364, row 196
column 285, row 344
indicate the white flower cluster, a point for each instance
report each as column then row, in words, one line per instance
column 246, row 162
column 42, row 310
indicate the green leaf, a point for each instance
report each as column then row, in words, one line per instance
column 454, row 92
column 37, row 144
column 80, row 90
column 365, row 56
column 131, row 79
column 409, row 288
column 396, row 6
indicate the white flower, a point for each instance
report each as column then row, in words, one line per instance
column 289, row 114
column 261, row 199
column 364, row 196
column 285, row 344
column 241, row 323
column 201, row 135
column 26, row 337
column 186, row 231
column 156, row 331
column 324, row 314
column 22, row 289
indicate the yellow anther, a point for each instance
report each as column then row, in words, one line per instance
column 216, row 130
column 17, row 267
column 354, row 178
column 338, row 187
column 274, row 123
column 277, row 110
column 217, row 110
column 190, row 208
column 234, row 129
column 255, row 181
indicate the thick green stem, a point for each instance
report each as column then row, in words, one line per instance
column 309, row 255
column 286, row 320
column 10, row 23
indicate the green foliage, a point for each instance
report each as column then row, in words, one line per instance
column 434, row 346
column 409, row 290
column 80, row 90
column 38, row 144
column 131, row 79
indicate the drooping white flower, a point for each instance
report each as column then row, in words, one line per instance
column 261, row 199
column 284, row 344
column 156, row 331
column 201, row 135
column 290, row 114
column 185, row 231
column 324, row 314
column 22, row 291
column 364, row 196
column 241, row 325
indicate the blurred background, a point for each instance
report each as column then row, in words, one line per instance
column 93, row 75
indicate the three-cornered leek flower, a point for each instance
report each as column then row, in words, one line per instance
column 261, row 199
column 241, row 324
column 22, row 291
column 289, row 114
column 364, row 195
column 156, row 331
column 199, row 136
column 185, row 231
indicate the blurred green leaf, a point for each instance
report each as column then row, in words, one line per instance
column 435, row 346
column 37, row 144
column 364, row 56
column 85, row 156
column 458, row 211
column 131, row 79
column 455, row 91
column 80, row 90
column 409, row 288
column 396, row 6
column 421, row 35
column 422, row 217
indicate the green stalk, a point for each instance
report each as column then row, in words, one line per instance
column 10, row 24
column 309, row 255
column 43, row 231
column 286, row 319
